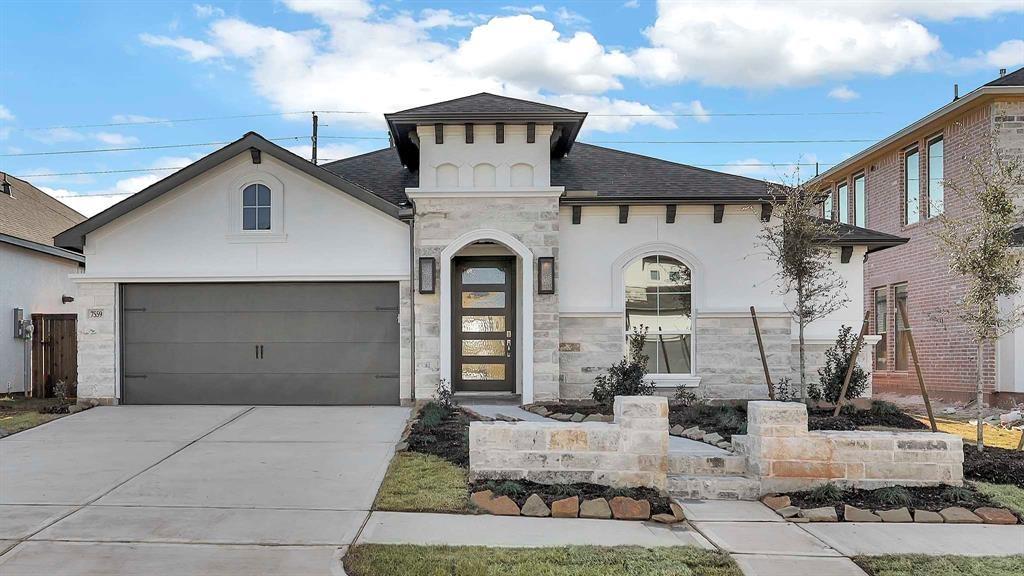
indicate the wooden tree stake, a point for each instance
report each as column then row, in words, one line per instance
column 764, row 360
column 917, row 365
column 853, row 362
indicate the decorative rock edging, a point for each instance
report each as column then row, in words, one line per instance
column 618, row 508
column 695, row 433
column 782, row 506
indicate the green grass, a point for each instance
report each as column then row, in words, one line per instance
column 19, row 413
column 391, row 559
column 423, row 483
column 919, row 565
column 1006, row 495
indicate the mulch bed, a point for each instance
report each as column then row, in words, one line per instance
column 851, row 419
column 931, row 498
column 520, row 490
column 995, row 465
column 448, row 439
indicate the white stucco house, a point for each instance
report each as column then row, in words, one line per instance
column 485, row 247
column 35, row 288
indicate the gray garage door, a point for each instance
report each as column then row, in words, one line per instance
column 260, row 343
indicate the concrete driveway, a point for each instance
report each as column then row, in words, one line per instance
column 211, row 490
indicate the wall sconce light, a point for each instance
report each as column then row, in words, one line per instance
column 545, row 275
column 428, row 275
column 65, row 299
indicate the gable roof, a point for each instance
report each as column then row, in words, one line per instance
column 482, row 108
column 850, row 235
column 486, row 103
column 1015, row 78
column 75, row 237
column 1010, row 84
column 31, row 214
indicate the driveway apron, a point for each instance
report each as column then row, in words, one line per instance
column 212, row 490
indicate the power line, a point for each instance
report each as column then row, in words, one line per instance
column 732, row 114
column 837, row 141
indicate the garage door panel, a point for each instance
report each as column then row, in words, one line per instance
column 244, row 358
column 262, row 297
column 260, row 343
column 261, row 327
column 301, row 389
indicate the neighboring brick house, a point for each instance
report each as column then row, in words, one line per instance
column 871, row 189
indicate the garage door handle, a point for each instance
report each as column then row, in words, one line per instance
column 383, row 376
column 134, row 309
column 259, row 351
column 386, row 308
column 134, row 375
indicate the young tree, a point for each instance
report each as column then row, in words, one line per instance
column 799, row 242
column 978, row 242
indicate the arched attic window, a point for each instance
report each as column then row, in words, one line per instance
column 659, row 296
column 256, row 209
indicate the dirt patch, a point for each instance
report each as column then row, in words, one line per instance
column 585, row 407
column 932, row 498
column 443, row 433
column 520, row 490
column 994, row 465
column 880, row 415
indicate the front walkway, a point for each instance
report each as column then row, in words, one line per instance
column 203, row 489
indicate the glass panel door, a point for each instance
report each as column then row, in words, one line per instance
column 483, row 324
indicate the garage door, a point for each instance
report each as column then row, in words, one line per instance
column 260, row 343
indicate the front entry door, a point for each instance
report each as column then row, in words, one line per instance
column 483, row 324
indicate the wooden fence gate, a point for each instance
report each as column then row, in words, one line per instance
column 54, row 353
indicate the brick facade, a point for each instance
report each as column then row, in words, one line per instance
column 946, row 350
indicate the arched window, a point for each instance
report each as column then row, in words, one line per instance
column 659, row 296
column 256, row 207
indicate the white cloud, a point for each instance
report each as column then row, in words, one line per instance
column 1009, row 54
column 535, row 9
column 769, row 44
column 83, row 203
column 612, row 115
column 570, row 18
column 136, row 118
column 431, row 18
column 843, row 92
column 56, row 135
column 5, row 113
column 207, row 11
column 327, row 152
column 196, row 50
column 751, row 167
column 115, row 139
column 786, row 172
column 632, row 4
column 700, row 113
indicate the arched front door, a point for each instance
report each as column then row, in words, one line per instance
column 483, row 324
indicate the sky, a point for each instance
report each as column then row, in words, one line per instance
column 761, row 89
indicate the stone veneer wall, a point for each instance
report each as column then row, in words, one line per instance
column 532, row 221
column 728, row 360
column 97, row 342
column 785, row 456
column 405, row 339
column 631, row 452
column 589, row 345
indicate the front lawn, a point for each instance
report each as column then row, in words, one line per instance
column 1005, row 438
column 1006, row 495
column 920, row 565
column 391, row 559
column 423, row 483
column 19, row 413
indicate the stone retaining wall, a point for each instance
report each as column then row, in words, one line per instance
column 630, row 452
column 785, row 456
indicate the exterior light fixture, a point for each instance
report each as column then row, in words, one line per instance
column 545, row 275
column 428, row 275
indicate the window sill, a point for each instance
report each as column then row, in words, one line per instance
column 673, row 380
column 256, row 237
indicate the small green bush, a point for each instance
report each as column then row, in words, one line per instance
column 837, row 361
column 883, row 408
column 826, row 493
column 892, row 496
column 959, row 494
column 432, row 415
column 507, row 488
column 627, row 377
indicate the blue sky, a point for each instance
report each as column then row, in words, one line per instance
column 647, row 72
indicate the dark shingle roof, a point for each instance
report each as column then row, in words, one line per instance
column 1015, row 78
column 855, row 235
column 379, row 172
column 31, row 214
column 617, row 174
column 485, row 103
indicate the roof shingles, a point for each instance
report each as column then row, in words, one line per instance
column 31, row 214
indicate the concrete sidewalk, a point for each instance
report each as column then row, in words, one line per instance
column 518, row 531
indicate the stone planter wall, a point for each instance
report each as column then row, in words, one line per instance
column 630, row 452
column 785, row 456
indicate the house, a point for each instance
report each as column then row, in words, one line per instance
column 897, row 186
column 485, row 247
column 35, row 289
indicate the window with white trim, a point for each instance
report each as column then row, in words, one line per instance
column 256, row 207
column 659, row 296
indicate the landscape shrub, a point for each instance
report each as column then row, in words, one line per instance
column 837, row 361
column 626, row 378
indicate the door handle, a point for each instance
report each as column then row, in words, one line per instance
column 259, row 351
column 508, row 348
